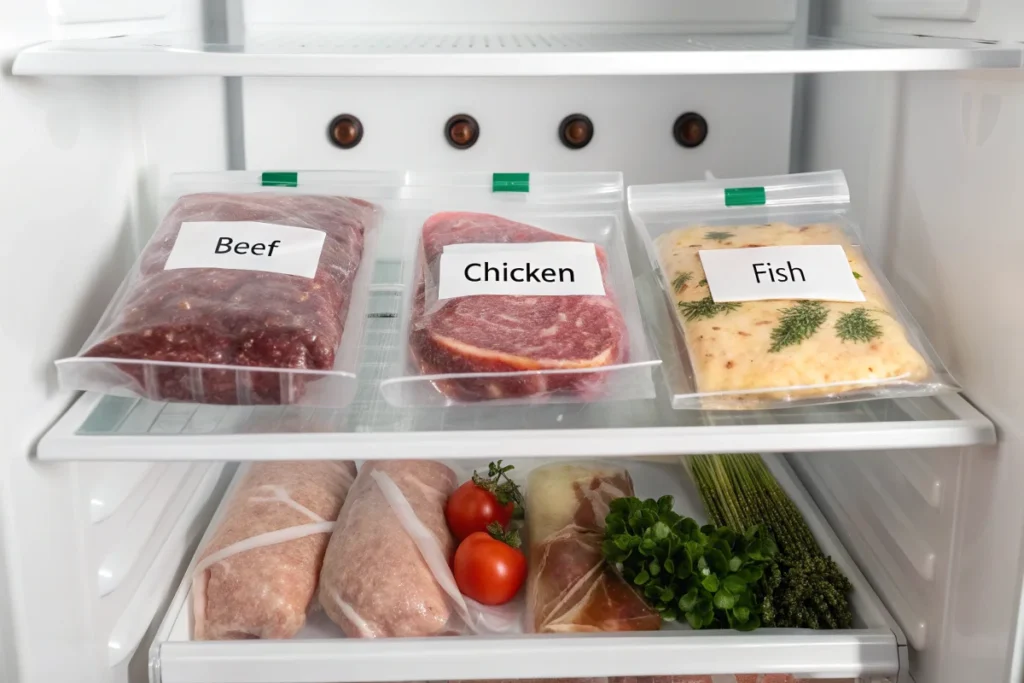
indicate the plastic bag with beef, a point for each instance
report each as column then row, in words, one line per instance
column 214, row 312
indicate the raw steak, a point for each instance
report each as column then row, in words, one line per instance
column 251, row 319
column 374, row 581
column 491, row 334
column 570, row 588
column 252, row 580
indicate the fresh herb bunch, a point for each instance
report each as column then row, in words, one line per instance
column 803, row 588
column 858, row 326
column 708, row 575
column 504, row 491
column 797, row 323
column 679, row 283
column 705, row 308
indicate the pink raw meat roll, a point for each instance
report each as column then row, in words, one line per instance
column 258, row 575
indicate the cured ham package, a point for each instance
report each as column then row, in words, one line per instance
column 570, row 588
column 519, row 297
column 776, row 302
column 257, row 575
column 252, row 290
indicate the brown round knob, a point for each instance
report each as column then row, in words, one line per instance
column 576, row 131
column 462, row 131
column 345, row 131
column 690, row 129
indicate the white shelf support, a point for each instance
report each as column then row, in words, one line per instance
column 374, row 430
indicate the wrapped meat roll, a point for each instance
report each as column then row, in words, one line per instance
column 379, row 575
column 570, row 587
column 258, row 575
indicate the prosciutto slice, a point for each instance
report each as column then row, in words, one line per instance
column 570, row 588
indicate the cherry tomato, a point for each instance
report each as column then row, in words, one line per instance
column 472, row 508
column 488, row 570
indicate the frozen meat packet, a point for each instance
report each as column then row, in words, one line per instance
column 523, row 297
column 775, row 298
column 252, row 290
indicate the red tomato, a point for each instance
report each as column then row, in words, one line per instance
column 488, row 570
column 471, row 509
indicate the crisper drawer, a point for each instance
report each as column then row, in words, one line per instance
column 874, row 649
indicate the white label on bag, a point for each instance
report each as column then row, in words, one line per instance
column 520, row 269
column 798, row 272
column 247, row 245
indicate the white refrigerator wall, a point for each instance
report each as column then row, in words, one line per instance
column 87, row 552
column 935, row 164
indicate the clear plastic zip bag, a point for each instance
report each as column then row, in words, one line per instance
column 252, row 290
column 825, row 328
column 518, row 297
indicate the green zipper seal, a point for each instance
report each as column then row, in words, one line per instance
column 510, row 182
column 744, row 196
column 279, row 179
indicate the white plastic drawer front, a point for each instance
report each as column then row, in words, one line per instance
column 897, row 517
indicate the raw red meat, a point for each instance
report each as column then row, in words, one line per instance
column 375, row 581
column 251, row 319
column 251, row 582
column 496, row 334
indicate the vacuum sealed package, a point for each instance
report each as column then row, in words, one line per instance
column 387, row 569
column 257, row 576
column 774, row 297
column 519, row 290
column 253, row 290
column 570, row 587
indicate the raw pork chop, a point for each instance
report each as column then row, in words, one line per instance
column 488, row 334
column 253, row 319
column 374, row 581
column 257, row 576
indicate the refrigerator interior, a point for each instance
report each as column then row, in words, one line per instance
column 107, row 99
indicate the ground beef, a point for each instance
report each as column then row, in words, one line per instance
column 238, row 318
